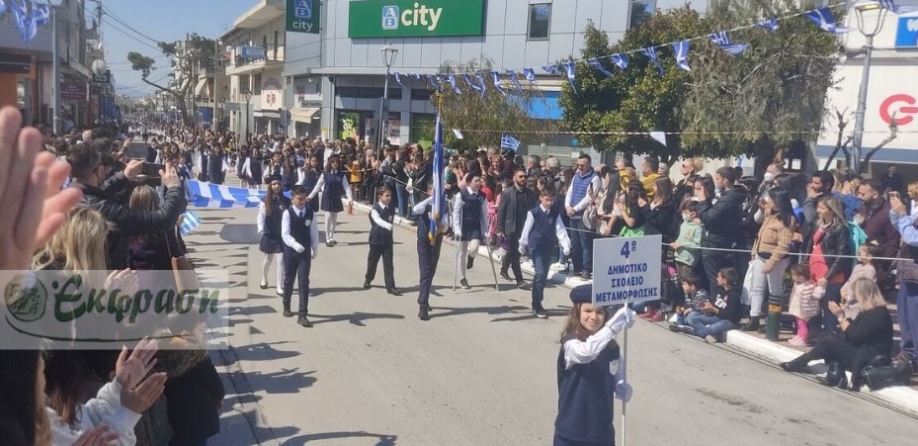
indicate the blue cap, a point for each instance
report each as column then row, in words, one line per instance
column 582, row 294
column 273, row 178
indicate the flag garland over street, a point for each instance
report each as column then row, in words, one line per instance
column 821, row 17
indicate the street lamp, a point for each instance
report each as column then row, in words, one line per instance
column 860, row 8
column 388, row 54
column 55, row 69
column 248, row 100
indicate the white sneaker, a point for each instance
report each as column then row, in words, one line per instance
column 557, row 266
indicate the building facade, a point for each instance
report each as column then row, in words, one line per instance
column 338, row 74
column 255, row 51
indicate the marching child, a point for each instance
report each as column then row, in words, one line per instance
column 334, row 186
column 300, row 234
column 804, row 302
column 270, row 213
column 586, row 382
column 470, row 222
column 381, row 241
column 863, row 270
column 542, row 233
column 428, row 250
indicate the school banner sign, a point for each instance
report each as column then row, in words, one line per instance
column 303, row 16
column 370, row 19
column 626, row 269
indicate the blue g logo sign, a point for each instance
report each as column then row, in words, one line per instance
column 390, row 15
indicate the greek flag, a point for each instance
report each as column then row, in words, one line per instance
column 722, row 39
column 571, row 70
column 495, row 77
column 597, row 65
column 682, row 49
column 452, row 81
column 823, row 18
column 620, row 60
column 398, row 80
column 41, row 14
column 215, row 196
column 770, row 24
column 516, row 81
column 438, row 208
column 190, row 222
column 530, row 75
column 507, row 141
column 651, row 54
column 2, row 6
column 482, row 84
column 471, row 84
column 897, row 9
column 24, row 22
column 551, row 69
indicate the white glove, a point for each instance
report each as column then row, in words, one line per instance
column 300, row 249
column 621, row 321
column 567, row 252
column 458, row 235
column 314, row 253
column 522, row 249
column 623, row 391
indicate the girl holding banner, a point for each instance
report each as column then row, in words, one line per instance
column 586, row 386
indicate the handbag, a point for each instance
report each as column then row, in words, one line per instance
column 897, row 373
column 182, row 270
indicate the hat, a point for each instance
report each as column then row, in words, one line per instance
column 273, row 178
column 582, row 294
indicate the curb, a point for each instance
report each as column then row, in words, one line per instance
column 903, row 398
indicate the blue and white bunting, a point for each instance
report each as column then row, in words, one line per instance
column 508, row 142
column 897, row 9
column 41, row 14
column 495, row 77
column 189, row 222
column 770, row 24
column 433, row 80
column 471, row 84
column 515, row 80
column 722, row 39
column 682, row 49
column 217, row 196
column 823, row 18
column 651, row 53
column 596, row 64
column 530, row 75
column 418, row 77
column 452, row 82
column 398, row 80
column 620, row 60
column 551, row 69
column 2, row 6
column 571, row 69
column 482, row 84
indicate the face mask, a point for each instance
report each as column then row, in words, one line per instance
column 717, row 189
column 768, row 177
column 686, row 216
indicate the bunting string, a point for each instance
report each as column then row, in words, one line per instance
column 27, row 16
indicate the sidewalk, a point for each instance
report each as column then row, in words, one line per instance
column 903, row 398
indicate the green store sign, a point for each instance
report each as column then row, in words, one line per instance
column 303, row 16
column 369, row 19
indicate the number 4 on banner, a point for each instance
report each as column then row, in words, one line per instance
column 628, row 248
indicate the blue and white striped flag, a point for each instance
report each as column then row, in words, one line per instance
column 651, row 54
column 770, row 24
column 452, row 81
column 530, row 75
column 897, row 9
column 482, row 84
column 516, row 81
column 722, row 39
column 571, row 70
column 507, row 141
column 24, row 22
column 495, row 77
column 438, row 208
column 190, row 222
column 682, row 50
column 216, row 196
column 823, row 18
column 471, row 83
column 596, row 63
column 398, row 80
column 41, row 14
column 551, row 69
column 2, row 6
column 620, row 60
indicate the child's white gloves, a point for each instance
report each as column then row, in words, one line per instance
column 623, row 391
column 621, row 321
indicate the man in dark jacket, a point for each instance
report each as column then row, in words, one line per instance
column 511, row 215
column 88, row 173
column 873, row 218
column 722, row 226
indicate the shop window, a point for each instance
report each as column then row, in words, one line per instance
column 421, row 95
column 641, row 11
column 539, row 21
column 367, row 93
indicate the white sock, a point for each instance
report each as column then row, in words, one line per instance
column 265, row 266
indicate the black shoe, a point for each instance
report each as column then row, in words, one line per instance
column 520, row 283
column 303, row 321
column 505, row 276
column 539, row 312
column 470, row 263
column 366, row 285
column 752, row 325
column 423, row 313
column 792, row 366
column 464, row 284
column 328, row 243
column 394, row 291
column 427, row 306
column 287, row 312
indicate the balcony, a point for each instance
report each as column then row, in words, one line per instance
column 250, row 66
column 264, row 12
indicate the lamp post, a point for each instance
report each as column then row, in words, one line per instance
column 55, row 69
column 860, row 8
column 388, row 54
column 248, row 101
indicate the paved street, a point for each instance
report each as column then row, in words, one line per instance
column 482, row 371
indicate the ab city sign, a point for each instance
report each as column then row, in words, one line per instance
column 415, row 18
column 303, row 16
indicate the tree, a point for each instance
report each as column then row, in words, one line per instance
column 483, row 118
column 637, row 99
column 770, row 95
column 197, row 51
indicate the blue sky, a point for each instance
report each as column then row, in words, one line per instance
column 160, row 20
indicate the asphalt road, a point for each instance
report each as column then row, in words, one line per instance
column 482, row 371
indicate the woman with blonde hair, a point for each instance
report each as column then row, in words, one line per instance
column 862, row 340
column 830, row 261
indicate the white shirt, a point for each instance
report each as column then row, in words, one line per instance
column 262, row 215
column 421, row 207
column 560, row 231
column 105, row 409
column 596, row 182
column 378, row 219
column 321, row 184
column 291, row 242
column 457, row 213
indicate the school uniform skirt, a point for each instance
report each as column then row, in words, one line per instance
column 270, row 244
column 471, row 231
column 331, row 202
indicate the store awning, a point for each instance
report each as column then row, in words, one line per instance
column 199, row 88
column 303, row 115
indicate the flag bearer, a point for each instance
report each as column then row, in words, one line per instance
column 428, row 249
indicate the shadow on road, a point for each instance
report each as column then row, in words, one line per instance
column 384, row 440
column 283, row 381
column 252, row 422
column 353, row 318
column 264, row 351
column 438, row 311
